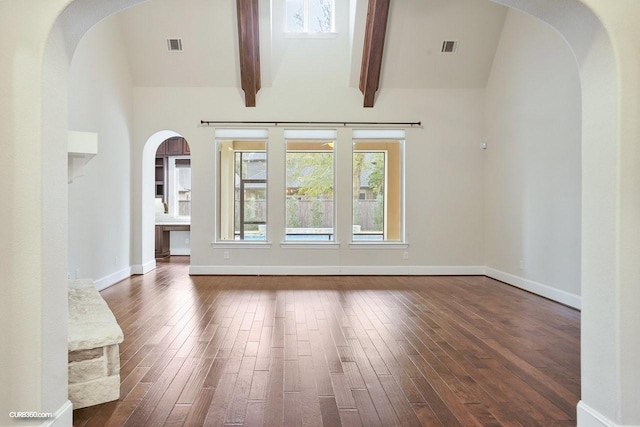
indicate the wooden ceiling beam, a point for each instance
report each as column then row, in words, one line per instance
column 249, row 44
column 375, row 30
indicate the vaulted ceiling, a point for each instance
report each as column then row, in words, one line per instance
column 415, row 32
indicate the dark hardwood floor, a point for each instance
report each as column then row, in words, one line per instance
column 351, row 351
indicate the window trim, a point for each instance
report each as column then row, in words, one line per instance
column 374, row 137
column 311, row 136
column 305, row 33
column 241, row 135
column 173, row 199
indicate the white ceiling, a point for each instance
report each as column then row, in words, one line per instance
column 412, row 58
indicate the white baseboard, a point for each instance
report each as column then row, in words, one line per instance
column 589, row 417
column 180, row 251
column 563, row 297
column 143, row 269
column 266, row 270
column 113, row 278
column 456, row 270
column 63, row 417
column 546, row 291
column 374, row 270
column 333, row 270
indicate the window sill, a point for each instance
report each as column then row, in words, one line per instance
column 378, row 246
column 241, row 245
column 294, row 35
column 310, row 245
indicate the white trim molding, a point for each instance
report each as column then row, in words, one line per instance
column 378, row 246
column 240, row 244
column 266, row 270
column 63, row 417
column 113, row 278
column 563, row 297
column 335, row 270
column 374, row 270
column 181, row 252
column 309, row 245
column 546, row 291
column 143, row 269
column 589, row 417
column 447, row 270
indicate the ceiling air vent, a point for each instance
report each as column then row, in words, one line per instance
column 449, row 46
column 174, row 45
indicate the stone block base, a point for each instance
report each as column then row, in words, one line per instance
column 94, row 376
column 94, row 392
column 94, row 357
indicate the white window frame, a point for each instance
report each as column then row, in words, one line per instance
column 248, row 135
column 172, row 183
column 305, row 24
column 298, row 135
column 372, row 135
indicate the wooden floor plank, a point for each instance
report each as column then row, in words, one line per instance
column 351, row 351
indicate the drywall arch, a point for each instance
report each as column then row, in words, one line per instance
column 146, row 208
column 602, row 385
column 39, row 53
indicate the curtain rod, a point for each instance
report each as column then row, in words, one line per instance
column 294, row 123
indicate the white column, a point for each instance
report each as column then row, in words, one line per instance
column 276, row 183
column 343, row 192
column 611, row 220
column 33, row 228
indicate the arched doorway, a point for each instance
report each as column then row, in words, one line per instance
column 146, row 202
column 172, row 197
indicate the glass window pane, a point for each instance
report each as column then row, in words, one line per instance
column 320, row 16
column 250, row 195
column 377, row 191
column 179, row 187
column 295, row 16
column 242, row 190
column 309, row 193
column 183, row 187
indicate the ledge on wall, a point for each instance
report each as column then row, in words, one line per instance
column 81, row 147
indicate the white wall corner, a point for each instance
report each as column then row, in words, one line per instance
column 589, row 417
column 63, row 417
column 143, row 269
column 563, row 297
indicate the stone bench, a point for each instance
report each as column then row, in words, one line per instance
column 94, row 338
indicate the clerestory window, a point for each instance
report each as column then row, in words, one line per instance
column 310, row 16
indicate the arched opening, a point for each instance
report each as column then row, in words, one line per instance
column 172, row 196
column 147, row 204
column 590, row 43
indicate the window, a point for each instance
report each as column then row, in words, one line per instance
column 179, row 183
column 309, row 190
column 242, row 190
column 310, row 16
column 377, row 190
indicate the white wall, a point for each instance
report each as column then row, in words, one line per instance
column 610, row 195
column 444, row 173
column 180, row 243
column 100, row 100
column 532, row 163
